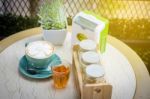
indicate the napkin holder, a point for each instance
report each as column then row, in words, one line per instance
column 87, row 25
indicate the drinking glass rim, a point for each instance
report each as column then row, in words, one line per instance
column 63, row 61
column 61, row 72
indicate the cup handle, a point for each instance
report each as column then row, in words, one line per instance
column 26, row 44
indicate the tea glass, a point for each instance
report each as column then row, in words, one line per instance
column 61, row 72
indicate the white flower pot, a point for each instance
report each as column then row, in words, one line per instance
column 56, row 37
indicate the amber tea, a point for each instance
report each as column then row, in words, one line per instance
column 60, row 75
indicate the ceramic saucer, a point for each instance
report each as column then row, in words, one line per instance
column 40, row 75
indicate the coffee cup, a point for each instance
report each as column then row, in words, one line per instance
column 38, row 54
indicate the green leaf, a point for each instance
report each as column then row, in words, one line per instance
column 52, row 15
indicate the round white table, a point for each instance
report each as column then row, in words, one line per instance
column 15, row 86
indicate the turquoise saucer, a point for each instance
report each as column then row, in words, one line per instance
column 23, row 65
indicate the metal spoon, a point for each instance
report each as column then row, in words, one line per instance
column 34, row 72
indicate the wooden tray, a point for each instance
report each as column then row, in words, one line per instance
column 89, row 91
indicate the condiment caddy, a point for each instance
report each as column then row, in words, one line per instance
column 89, row 72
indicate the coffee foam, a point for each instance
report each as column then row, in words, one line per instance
column 39, row 49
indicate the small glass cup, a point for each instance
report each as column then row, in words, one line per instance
column 61, row 72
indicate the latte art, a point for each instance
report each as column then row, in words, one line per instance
column 39, row 49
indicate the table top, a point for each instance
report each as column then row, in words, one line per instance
column 141, row 73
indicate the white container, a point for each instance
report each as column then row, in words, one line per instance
column 90, row 57
column 87, row 45
column 94, row 73
column 56, row 37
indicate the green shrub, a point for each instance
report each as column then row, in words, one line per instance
column 10, row 24
column 52, row 15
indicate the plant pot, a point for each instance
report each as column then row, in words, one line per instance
column 56, row 37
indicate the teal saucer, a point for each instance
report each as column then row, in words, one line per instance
column 40, row 75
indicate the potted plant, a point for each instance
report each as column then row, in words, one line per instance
column 53, row 21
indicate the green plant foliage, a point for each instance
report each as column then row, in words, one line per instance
column 52, row 15
column 10, row 24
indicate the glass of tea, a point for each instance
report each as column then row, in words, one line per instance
column 61, row 71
